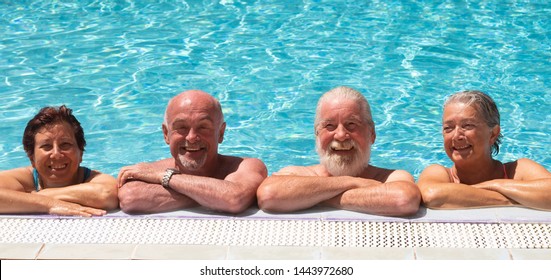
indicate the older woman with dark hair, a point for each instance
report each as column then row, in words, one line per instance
column 55, row 183
column 472, row 134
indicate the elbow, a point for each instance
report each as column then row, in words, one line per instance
column 110, row 198
column 129, row 201
column 431, row 198
column 267, row 198
column 408, row 200
column 237, row 205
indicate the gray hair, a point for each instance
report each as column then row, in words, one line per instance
column 484, row 105
column 346, row 93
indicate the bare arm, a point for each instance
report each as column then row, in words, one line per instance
column 439, row 193
column 140, row 189
column 15, row 198
column 100, row 191
column 530, row 187
column 232, row 194
column 235, row 193
column 291, row 192
column 398, row 196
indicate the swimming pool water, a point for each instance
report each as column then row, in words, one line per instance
column 117, row 63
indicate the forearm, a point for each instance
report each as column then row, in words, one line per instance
column 455, row 196
column 533, row 194
column 14, row 202
column 389, row 199
column 216, row 194
column 290, row 193
column 96, row 195
column 141, row 197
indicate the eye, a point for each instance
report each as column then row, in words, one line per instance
column 46, row 147
column 66, row 145
column 469, row 126
column 330, row 126
column 351, row 126
column 447, row 129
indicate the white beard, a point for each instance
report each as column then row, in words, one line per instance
column 339, row 165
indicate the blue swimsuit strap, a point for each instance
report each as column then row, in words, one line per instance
column 87, row 173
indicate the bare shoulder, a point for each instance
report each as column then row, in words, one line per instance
column 19, row 179
column 527, row 169
column 253, row 165
column 400, row 175
column 232, row 164
column 98, row 176
column 434, row 172
column 298, row 171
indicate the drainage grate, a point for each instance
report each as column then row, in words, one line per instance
column 256, row 232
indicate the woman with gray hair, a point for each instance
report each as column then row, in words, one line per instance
column 472, row 134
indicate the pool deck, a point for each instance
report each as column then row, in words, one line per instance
column 505, row 233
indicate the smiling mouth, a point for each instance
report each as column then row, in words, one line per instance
column 58, row 166
column 460, row 148
column 346, row 146
column 192, row 149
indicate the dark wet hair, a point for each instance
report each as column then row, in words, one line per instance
column 484, row 105
column 49, row 116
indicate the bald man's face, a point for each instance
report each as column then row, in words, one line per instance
column 193, row 130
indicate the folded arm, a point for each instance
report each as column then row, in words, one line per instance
column 286, row 193
column 100, row 191
column 439, row 193
column 530, row 187
column 398, row 196
column 232, row 194
column 16, row 197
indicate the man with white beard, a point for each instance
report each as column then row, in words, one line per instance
column 344, row 178
column 196, row 174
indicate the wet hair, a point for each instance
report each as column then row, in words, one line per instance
column 484, row 105
column 47, row 117
column 346, row 93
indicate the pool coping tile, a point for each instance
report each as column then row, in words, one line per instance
column 87, row 251
column 20, row 251
column 180, row 252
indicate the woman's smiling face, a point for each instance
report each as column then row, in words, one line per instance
column 57, row 156
column 466, row 136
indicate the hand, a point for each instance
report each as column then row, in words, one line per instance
column 142, row 172
column 63, row 208
column 491, row 185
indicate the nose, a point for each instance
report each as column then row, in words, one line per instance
column 458, row 133
column 56, row 152
column 341, row 134
column 192, row 136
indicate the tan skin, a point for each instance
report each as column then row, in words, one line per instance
column 468, row 141
column 57, row 159
column 193, row 130
column 375, row 190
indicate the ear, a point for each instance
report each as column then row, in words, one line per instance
column 221, row 132
column 495, row 134
column 165, row 134
column 373, row 135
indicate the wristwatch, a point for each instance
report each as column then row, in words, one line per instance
column 168, row 174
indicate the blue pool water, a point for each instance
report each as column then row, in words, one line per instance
column 117, row 63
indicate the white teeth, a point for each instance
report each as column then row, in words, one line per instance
column 192, row 149
column 58, row 166
column 462, row 147
column 341, row 146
